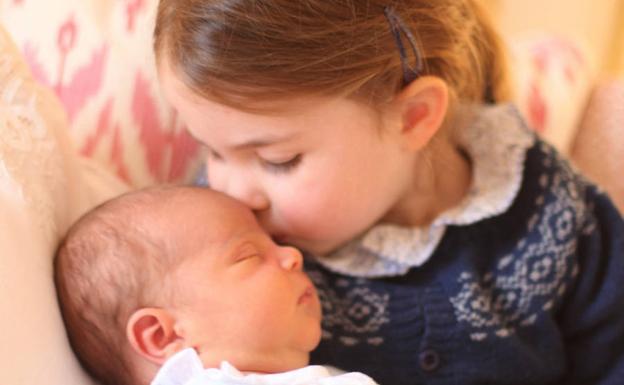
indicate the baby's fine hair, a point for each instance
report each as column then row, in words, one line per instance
column 113, row 261
column 240, row 51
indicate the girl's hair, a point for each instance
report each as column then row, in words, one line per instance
column 238, row 52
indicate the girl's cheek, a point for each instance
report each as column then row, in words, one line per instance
column 313, row 219
column 298, row 213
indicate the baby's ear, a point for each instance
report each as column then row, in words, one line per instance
column 151, row 333
column 423, row 105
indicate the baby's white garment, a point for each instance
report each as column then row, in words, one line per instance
column 185, row 368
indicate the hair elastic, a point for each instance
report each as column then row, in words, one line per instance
column 396, row 27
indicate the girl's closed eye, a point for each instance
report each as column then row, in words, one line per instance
column 282, row 165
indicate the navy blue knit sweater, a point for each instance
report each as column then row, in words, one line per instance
column 534, row 295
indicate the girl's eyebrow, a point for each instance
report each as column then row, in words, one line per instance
column 262, row 142
column 251, row 143
column 254, row 143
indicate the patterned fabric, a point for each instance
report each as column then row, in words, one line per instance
column 528, row 296
column 553, row 79
column 96, row 55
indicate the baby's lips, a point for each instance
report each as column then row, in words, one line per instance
column 308, row 294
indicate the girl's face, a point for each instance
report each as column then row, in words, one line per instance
column 316, row 176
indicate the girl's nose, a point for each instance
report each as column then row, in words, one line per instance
column 290, row 258
column 253, row 199
column 243, row 188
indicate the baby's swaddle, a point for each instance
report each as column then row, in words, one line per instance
column 185, row 368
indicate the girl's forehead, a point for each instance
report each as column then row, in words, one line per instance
column 298, row 108
column 210, row 121
column 179, row 93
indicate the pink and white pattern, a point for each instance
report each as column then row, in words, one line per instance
column 553, row 80
column 96, row 56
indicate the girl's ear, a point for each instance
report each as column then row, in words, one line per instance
column 423, row 105
column 151, row 333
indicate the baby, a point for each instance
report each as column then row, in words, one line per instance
column 180, row 285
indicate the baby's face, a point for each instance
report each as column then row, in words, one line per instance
column 239, row 296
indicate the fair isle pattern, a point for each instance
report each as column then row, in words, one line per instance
column 359, row 313
column 529, row 281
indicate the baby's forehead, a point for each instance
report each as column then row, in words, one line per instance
column 213, row 206
column 208, row 215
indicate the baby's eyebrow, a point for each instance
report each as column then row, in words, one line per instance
column 241, row 247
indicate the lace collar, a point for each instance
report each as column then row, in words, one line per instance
column 496, row 142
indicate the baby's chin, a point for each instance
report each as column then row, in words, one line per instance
column 314, row 337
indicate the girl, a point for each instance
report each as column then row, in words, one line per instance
column 449, row 245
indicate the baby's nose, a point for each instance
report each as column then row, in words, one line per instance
column 291, row 258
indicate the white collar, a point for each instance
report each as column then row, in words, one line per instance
column 496, row 142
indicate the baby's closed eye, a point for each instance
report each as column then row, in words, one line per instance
column 246, row 252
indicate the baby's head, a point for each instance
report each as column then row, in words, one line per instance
column 152, row 272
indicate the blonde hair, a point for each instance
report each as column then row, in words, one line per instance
column 241, row 52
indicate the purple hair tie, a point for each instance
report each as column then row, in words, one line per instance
column 397, row 26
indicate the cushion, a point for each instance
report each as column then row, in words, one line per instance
column 97, row 57
column 43, row 188
column 553, row 77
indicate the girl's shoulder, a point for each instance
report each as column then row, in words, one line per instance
column 552, row 186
